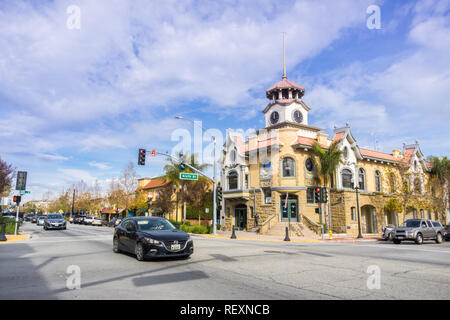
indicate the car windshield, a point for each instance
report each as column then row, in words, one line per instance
column 40, row 218
column 154, row 224
column 410, row 224
column 55, row 216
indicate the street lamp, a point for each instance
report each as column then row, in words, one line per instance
column 214, row 175
column 356, row 187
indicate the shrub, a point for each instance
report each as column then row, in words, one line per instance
column 10, row 225
column 194, row 229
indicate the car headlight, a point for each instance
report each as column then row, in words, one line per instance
column 152, row 241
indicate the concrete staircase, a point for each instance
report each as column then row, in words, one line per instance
column 297, row 229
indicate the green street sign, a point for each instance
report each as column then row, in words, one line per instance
column 188, row 176
column 24, row 192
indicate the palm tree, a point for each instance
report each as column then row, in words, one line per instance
column 172, row 169
column 329, row 162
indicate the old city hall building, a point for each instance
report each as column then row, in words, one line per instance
column 272, row 176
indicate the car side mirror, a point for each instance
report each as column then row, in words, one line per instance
column 177, row 226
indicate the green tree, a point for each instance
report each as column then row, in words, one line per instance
column 6, row 176
column 328, row 164
column 440, row 175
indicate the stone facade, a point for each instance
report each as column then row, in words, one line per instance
column 279, row 161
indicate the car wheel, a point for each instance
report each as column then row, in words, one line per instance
column 419, row 238
column 139, row 251
column 396, row 241
column 438, row 238
column 116, row 245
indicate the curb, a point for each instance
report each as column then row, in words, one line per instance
column 19, row 237
column 247, row 239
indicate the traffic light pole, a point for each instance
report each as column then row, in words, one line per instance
column 17, row 218
column 206, row 176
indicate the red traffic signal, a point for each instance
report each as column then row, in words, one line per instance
column 17, row 199
column 141, row 157
column 317, row 195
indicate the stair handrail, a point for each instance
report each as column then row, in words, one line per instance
column 312, row 225
column 266, row 224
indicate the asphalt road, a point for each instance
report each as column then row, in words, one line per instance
column 39, row 268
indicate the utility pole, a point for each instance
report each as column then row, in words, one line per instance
column 73, row 202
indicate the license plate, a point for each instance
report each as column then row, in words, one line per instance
column 175, row 247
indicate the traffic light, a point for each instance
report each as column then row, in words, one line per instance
column 317, row 195
column 141, row 158
column 17, row 199
column 324, row 195
column 219, row 194
column 182, row 166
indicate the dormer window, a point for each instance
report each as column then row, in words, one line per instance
column 233, row 156
column 345, row 153
column 232, row 180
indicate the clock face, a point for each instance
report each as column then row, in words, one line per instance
column 298, row 116
column 274, row 117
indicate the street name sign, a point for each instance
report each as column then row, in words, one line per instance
column 24, row 192
column 188, row 176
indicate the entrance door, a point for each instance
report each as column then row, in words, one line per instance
column 291, row 212
column 240, row 217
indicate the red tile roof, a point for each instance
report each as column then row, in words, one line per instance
column 263, row 144
column 377, row 154
column 285, row 84
column 408, row 154
column 307, row 142
column 155, row 183
column 338, row 136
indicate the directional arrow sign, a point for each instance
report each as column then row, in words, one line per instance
column 188, row 176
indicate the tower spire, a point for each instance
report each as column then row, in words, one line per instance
column 284, row 57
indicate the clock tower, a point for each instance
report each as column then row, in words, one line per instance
column 286, row 109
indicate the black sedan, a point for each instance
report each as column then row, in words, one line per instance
column 149, row 237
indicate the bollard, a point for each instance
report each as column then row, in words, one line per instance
column 2, row 232
column 287, row 235
column 233, row 234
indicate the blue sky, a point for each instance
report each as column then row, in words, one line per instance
column 77, row 104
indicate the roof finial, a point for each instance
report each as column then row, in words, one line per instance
column 284, row 57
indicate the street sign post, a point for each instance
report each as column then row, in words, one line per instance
column 24, row 192
column 188, row 176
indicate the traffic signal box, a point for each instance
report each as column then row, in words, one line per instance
column 318, row 195
column 17, row 199
column 141, row 157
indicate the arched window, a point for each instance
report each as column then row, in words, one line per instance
column 392, row 182
column 362, row 179
column 347, row 177
column 417, row 186
column 377, row 181
column 288, row 167
column 232, row 180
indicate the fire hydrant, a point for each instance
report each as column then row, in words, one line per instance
column 331, row 234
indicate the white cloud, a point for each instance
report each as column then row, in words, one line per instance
column 100, row 165
column 54, row 157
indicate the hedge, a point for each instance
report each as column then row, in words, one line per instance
column 10, row 225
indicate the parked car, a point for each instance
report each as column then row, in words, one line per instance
column 417, row 230
column 439, row 228
column 55, row 221
column 72, row 219
column 34, row 219
column 151, row 237
column 388, row 232
column 40, row 220
column 28, row 217
column 97, row 222
column 88, row 220
column 81, row 219
column 447, row 233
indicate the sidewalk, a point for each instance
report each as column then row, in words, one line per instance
column 253, row 236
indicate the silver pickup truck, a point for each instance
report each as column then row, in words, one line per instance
column 417, row 230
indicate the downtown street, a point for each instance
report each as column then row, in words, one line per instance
column 37, row 268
